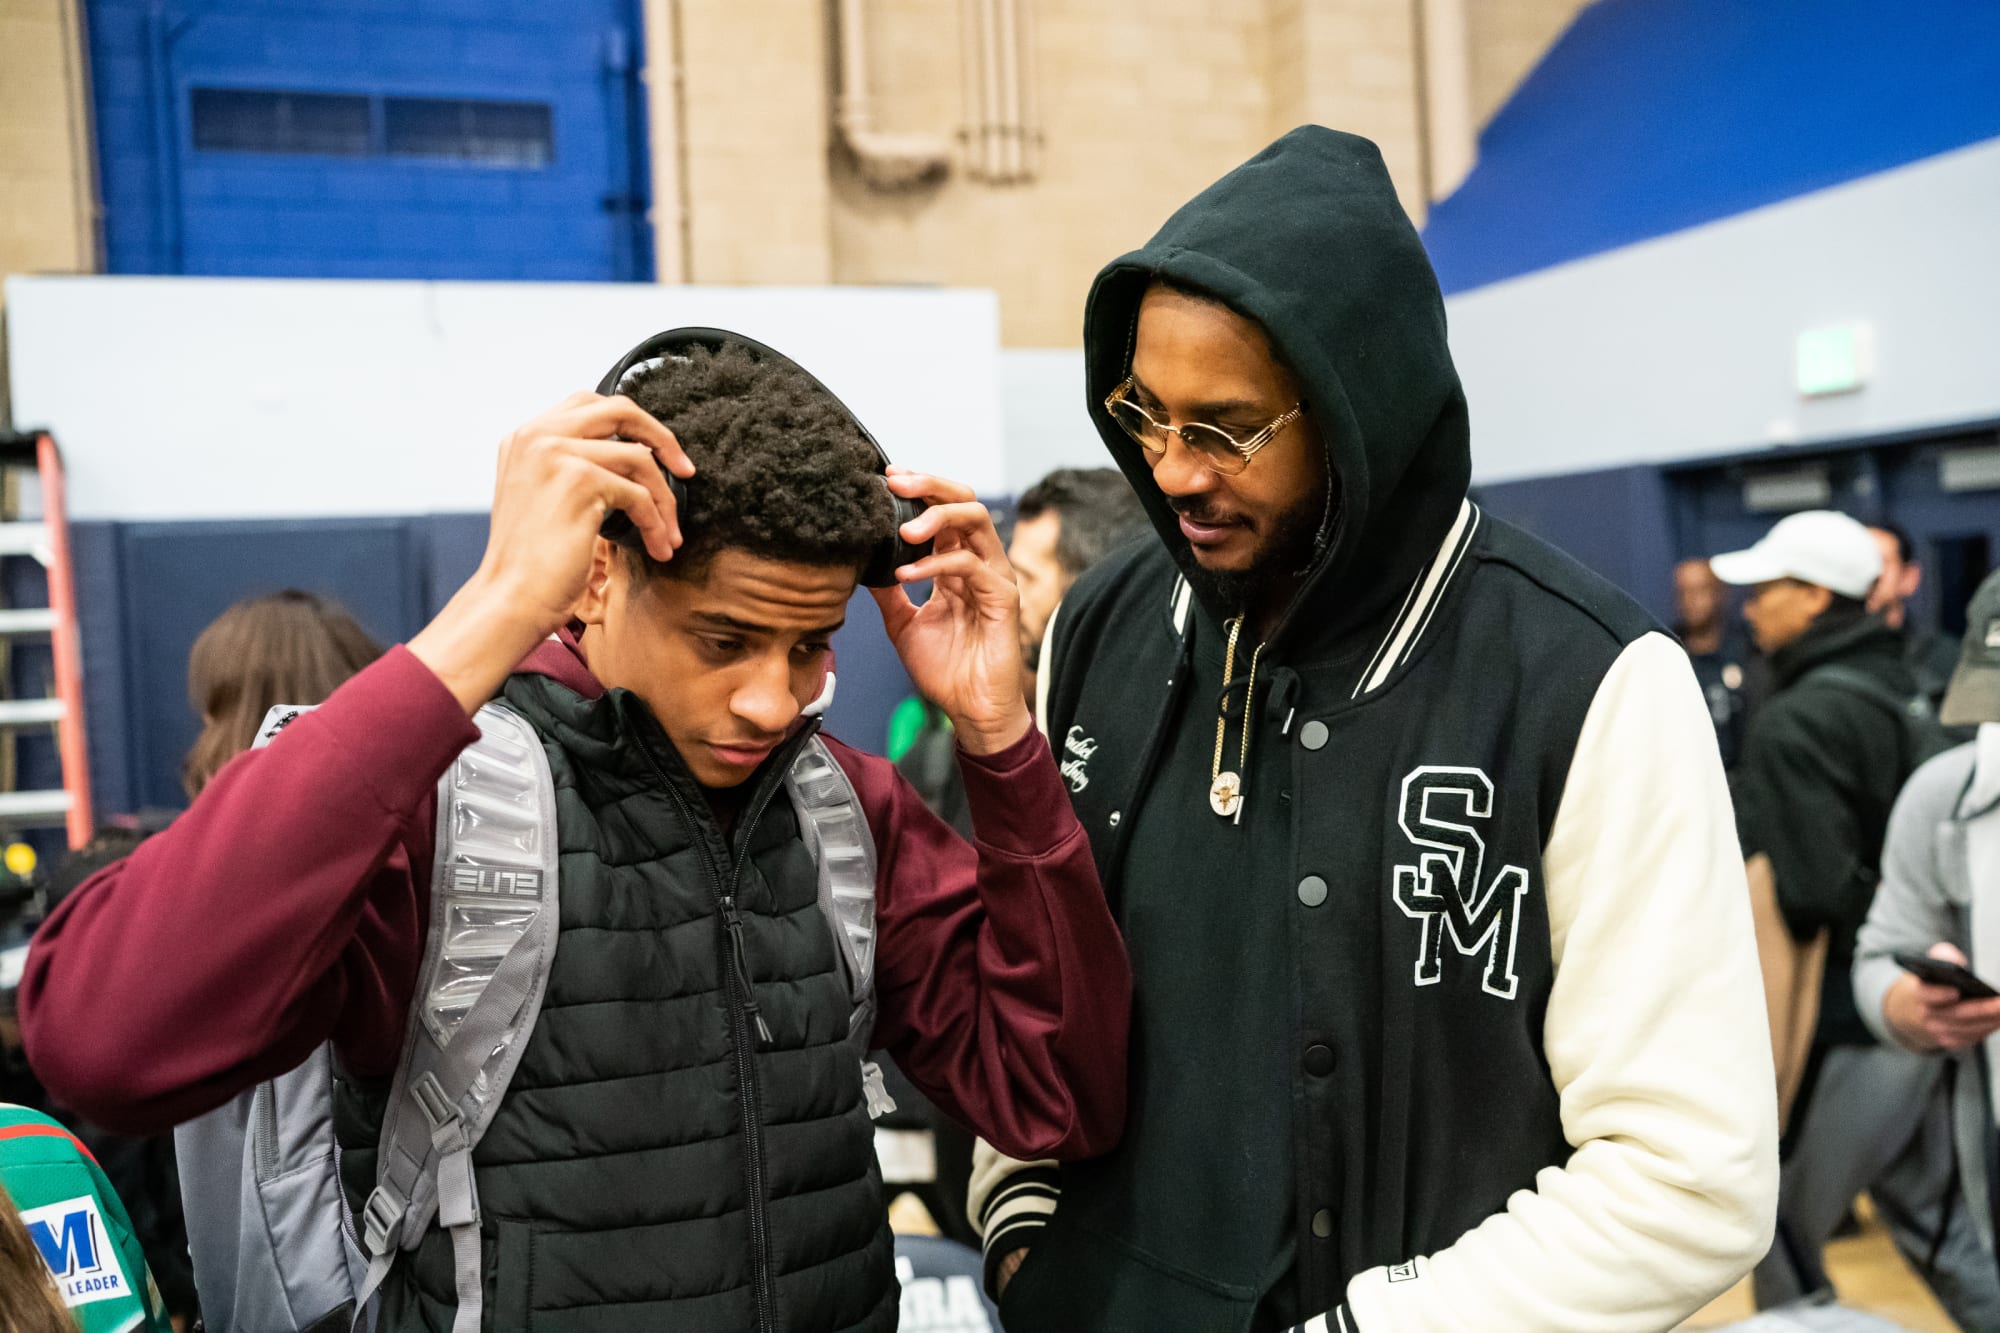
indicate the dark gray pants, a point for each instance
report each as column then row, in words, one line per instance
column 1880, row 1121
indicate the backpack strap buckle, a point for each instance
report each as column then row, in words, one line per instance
column 429, row 1096
column 382, row 1220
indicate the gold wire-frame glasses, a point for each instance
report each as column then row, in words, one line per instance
column 1214, row 446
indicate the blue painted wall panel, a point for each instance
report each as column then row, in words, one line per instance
column 177, row 577
column 1617, row 522
column 107, row 728
column 1650, row 116
column 170, row 207
column 146, row 590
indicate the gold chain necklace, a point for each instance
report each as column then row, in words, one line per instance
column 1225, row 791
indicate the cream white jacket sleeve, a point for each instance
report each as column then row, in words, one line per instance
column 1657, row 1041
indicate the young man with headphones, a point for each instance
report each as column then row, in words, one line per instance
column 685, row 1143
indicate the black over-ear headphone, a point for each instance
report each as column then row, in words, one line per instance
column 890, row 552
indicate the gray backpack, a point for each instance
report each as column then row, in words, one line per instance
column 275, row 1246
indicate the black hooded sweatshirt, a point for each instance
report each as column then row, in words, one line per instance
column 1822, row 765
column 1338, row 1061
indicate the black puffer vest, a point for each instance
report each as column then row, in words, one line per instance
column 653, row 1167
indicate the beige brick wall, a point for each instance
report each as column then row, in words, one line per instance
column 1357, row 64
column 48, row 222
column 1143, row 103
column 45, row 170
column 1508, row 38
column 755, row 112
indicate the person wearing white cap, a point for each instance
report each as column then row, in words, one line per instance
column 1806, row 565
column 1823, row 761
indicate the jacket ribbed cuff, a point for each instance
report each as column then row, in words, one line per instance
column 1014, row 1216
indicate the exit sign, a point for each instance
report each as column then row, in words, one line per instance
column 1835, row 359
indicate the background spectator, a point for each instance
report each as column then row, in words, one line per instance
column 1822, row 764
column 1930, row 655
column 291, row 647
column 1064, row 524
column 1720, row 649
column 77, row 1229
column 28, row 1296
column 1940, row 879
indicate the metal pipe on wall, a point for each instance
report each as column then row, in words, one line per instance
column 971, row 86
column 1031, row 103
column 1009, row 62
column 989, row 97
column 884, row 160
column 673, row 260
column 1445, row 69
column 850, row 100
column 87, row 218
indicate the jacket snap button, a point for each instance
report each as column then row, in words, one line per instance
column 1312, row 890
column 1115, row 817
column 1313, row 735
column 1323, row 1224
column 1319, row 1060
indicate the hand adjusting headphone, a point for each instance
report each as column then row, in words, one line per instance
column 890, row 552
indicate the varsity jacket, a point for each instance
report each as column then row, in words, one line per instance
column 647, row 1169
column 1458, row 1023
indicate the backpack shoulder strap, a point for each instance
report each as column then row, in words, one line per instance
column 843, row 850
column 1922, row 736
column 1855, row 681
column 494, row 922
column 836, row 830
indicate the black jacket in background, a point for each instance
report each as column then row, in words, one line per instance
column 1734, row 678
column 1821, row 768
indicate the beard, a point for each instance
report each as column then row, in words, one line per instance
column 1297, row 537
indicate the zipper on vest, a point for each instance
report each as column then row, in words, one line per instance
column 732, row 921
column 743, row 1005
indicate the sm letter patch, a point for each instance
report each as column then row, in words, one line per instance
column 1446, row 890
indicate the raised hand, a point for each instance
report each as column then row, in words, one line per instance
column 962, row 647
column 559, row 476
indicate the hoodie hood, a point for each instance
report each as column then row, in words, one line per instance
column 560, row 658
column 1309, row 240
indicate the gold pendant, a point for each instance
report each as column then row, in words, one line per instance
column 1225, row 794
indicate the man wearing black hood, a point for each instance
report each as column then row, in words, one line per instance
column 1447, row 1012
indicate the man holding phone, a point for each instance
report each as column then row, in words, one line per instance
column 1922, row 972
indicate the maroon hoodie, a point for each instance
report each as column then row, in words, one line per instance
column 289, row 906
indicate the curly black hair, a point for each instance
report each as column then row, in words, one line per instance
column 782, row 470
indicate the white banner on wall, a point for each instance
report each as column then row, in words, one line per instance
column 186, row 398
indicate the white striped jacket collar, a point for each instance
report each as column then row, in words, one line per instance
column 1407, row 629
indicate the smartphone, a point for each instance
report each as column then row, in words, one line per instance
column 1938, row 972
